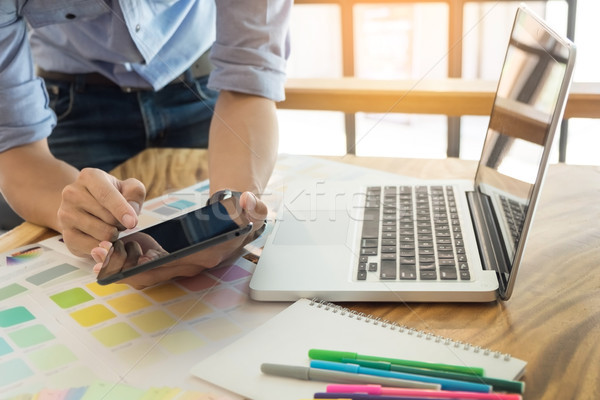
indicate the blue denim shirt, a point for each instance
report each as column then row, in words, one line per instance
column 136, row 43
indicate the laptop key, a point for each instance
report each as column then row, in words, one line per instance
column 408, row 272
column 428, row 275
column 370, row 230
column 369, row 243
column 368, row 251
column 427, row 259
column 448, row 274
column 388, row 270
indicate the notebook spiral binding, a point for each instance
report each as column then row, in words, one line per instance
column 370, row 319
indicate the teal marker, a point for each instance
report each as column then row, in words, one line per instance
column 500, row 385
column 447, row 384
column 332, row 355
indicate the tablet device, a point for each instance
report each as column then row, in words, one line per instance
column 179, row 237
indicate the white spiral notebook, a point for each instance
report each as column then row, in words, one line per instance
column 306, row 324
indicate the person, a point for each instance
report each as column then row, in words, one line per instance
column 85, row 85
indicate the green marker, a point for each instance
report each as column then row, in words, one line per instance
column 500, row 385
column 331, row 355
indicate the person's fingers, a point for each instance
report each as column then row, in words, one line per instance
column 134, row 252
column 255, row 208
column 106, row 190
column 114, row 259
column 134, row 192
column 78, row 202
column 99, row 254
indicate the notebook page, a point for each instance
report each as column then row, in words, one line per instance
column 287, row 337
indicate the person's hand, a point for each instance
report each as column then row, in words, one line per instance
column 96, row 207
column 135, row 249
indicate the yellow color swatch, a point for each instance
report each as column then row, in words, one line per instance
column 165, row 292
column 189, row 309
column 92, row 315
column 129, row 303
column 142, row 353
column 181, row 342
column 153, row 321
column 115, row 334
column 107, row 289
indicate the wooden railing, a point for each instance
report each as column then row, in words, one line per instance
column 452, row 97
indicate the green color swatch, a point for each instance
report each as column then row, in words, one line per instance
column 14, row 316
column 71, row 297
column 50, row 358
column 31, row 336
column 11, row 290
column 51, row 273
column 116, row 334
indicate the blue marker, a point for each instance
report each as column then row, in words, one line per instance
column 447, row 384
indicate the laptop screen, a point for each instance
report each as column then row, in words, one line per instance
column 526, row 111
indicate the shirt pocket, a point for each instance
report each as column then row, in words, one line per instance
column 40, row 13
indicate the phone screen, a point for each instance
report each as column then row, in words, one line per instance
column 176, row 238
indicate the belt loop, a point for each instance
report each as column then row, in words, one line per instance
column 80, row 83
column 188, row 76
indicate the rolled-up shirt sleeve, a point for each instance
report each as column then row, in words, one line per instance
column 25, row 116
column 251, row 47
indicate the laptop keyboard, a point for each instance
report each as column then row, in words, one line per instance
column 412, row 233
column 515, row 214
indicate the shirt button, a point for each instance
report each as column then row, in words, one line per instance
column 138, row 27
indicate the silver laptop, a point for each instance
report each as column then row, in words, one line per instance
column 426, row 240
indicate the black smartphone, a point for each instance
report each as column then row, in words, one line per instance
column 178, row 237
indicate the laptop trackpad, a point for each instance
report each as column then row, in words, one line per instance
column 302, row 228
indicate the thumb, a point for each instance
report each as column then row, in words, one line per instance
column 256, row 209
column 134, row 192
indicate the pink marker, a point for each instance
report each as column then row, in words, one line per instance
column 433, row 394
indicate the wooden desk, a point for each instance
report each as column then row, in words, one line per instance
column 553, row 319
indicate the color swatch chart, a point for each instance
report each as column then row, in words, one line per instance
column 59, row 328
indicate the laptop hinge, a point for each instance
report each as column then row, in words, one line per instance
column 492, row 251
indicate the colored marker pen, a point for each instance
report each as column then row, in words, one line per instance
column 332, row 355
